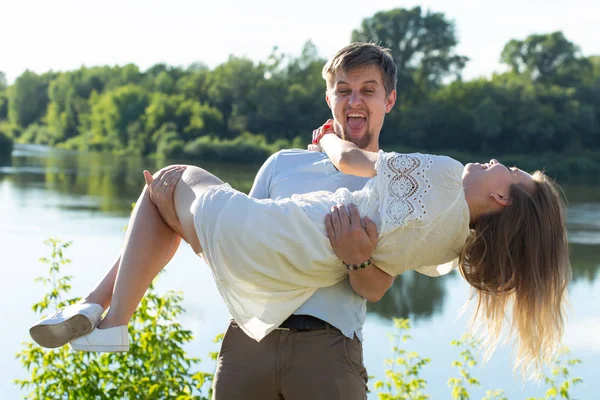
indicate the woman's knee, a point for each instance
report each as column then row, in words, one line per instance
column 165, row 169
column 198, row 178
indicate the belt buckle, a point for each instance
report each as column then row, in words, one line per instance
column 282, row 329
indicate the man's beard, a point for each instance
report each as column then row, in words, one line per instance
column 363, row 142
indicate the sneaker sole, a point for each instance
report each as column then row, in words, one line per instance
column 57, row 335
column 102, row 349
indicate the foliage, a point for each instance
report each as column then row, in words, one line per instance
column 548, row 59
column 156, row 366
column 38, row 134
column 559, row 380
column 246, row 148
column 6, row 144
column 28, row 98
column 404, row 382
column 467, row 361
column 403, row 374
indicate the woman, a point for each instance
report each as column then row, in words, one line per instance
column 502, row 227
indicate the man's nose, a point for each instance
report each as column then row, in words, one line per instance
column 493, row 161
column 355, row 99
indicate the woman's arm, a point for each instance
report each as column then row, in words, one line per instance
column 348, row 158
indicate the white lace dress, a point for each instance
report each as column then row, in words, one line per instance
column 268, row 257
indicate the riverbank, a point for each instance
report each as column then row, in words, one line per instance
column 576, row 167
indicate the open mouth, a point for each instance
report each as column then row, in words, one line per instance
column 356, row 120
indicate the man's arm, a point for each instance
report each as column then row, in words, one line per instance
column 354, row 244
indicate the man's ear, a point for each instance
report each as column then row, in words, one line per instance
column 503, row 201
column 390, row 101
column 327, row 99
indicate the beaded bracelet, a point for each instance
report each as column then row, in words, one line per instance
column 354, row 267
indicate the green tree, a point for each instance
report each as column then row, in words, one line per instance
column 548, row 59
column 290, row 100
column 422, row 45
column 112, row 114
column 190, row 118
column 6, row 145
column 28, row 98
column 3, row 82
column 232, row 89
column 3, row 105
column 164, row 83
column 3, row 97
column 192, row 84
column 595, row 63
column 161, row 77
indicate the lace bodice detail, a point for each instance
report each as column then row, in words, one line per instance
column 403, row 182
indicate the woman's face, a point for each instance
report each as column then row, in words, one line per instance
column 493, row 179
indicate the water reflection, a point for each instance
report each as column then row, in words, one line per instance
column 412, row 295
column 106, row 183
column 99, row 181
column 585, row 261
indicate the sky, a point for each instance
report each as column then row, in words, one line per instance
column 66, row 34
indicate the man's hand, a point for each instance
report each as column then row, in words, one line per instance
column 161, row 189
column 354, row 243
column 351, row 242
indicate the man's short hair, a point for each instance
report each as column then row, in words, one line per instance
column 357, row 55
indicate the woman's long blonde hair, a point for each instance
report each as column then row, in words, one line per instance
column 518, row 263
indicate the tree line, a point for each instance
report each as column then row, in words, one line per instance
column 547, row 102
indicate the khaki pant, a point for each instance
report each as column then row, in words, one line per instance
column 290, row 365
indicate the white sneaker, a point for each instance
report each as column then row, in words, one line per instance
column 67, row 324
column 103, row 340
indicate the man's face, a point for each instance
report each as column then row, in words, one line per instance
column 359, row 103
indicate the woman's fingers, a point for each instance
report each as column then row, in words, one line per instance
column 148, row 177
column 172, row 179
column 169, row 180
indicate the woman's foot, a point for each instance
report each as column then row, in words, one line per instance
column 103, row 340
column 67, row 324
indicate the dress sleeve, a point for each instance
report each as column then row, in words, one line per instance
column 402, row 182
column 439, row 270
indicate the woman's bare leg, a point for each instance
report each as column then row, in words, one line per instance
column 102, row 294
column 148, row 244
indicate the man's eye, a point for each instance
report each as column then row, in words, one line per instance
column 343, row 91
column 368, row 91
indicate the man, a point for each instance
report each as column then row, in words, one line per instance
column 317, row 352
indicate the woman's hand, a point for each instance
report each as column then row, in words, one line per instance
column 318, row 133
column 352, row 242
column 161, row 188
